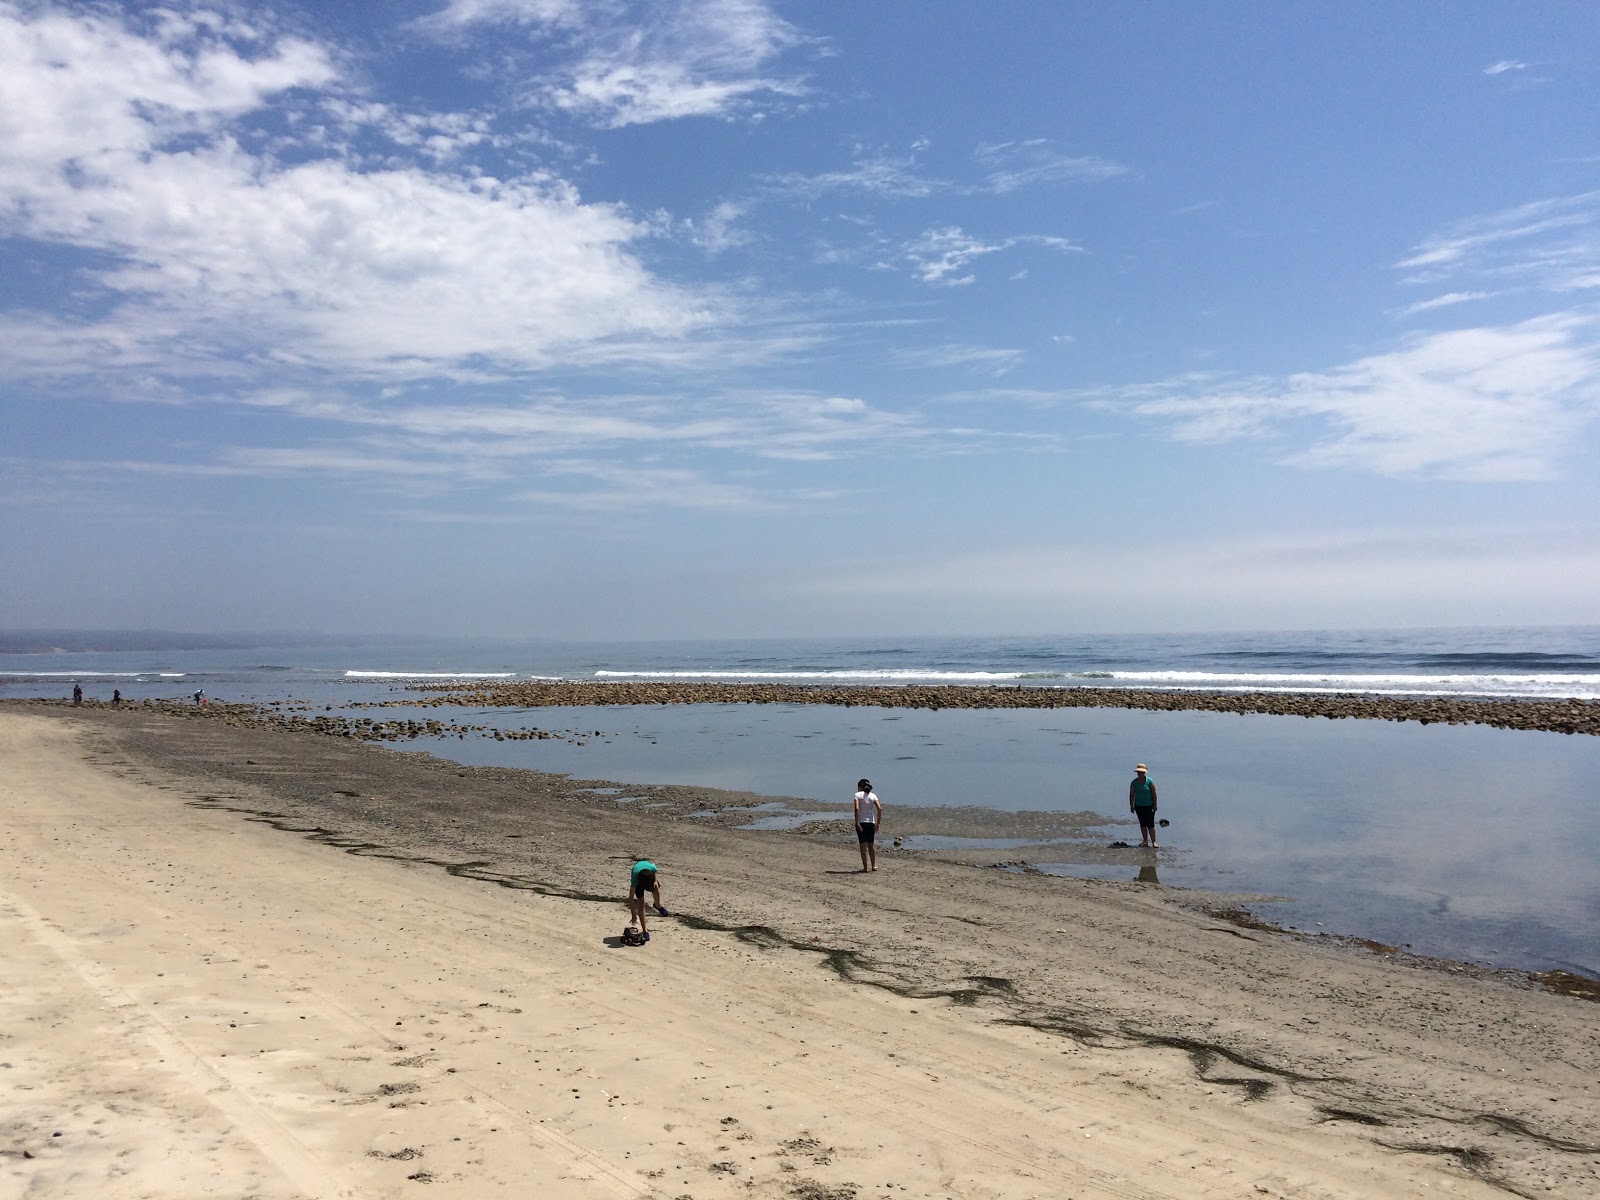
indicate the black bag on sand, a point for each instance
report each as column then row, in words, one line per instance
column 634, row 937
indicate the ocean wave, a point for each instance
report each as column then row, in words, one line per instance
column 883, row 675
column 26, row 675
column 430, row 674
column 1540, row 685
column 1360, row 681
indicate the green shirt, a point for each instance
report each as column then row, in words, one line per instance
column 639, row 868
column 1143, row 791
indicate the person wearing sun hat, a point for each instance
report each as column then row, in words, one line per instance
column 1142, row 804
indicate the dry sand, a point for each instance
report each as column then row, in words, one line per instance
column 240, row 962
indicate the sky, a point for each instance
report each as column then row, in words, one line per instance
column 708, row 318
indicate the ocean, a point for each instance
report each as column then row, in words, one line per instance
column 1461, row 841
column 1529, row 662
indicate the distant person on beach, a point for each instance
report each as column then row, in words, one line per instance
column 1142, row 803
column 869, row 811
column 116, row 695
column 77, row 694
column 645, row 877
column 200, row 696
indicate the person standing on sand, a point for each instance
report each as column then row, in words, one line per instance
column 77, row 694
column 643, row 878
column 869, row 811
column 1142, row 803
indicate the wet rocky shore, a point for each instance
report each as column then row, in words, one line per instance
column 1551, row 716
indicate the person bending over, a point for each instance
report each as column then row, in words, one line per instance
column 644, row 878
column 869, row 811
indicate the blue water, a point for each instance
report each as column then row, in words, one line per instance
column 1461, row 841
column 1526, row 662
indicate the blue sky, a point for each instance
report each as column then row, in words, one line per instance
column 592, row 318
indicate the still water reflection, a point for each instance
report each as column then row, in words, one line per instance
column 1463, row 841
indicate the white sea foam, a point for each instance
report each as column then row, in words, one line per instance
column 430, row 674
column 897, row 675
column 1531, row 685
column 72, row 674
column 89, row 675
column 1527, row 685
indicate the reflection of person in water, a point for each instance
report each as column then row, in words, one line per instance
column 1147, row 874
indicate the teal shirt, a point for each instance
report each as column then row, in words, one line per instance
column 643, row 865
column 1143, row 792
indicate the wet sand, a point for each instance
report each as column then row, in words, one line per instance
column 275, row 964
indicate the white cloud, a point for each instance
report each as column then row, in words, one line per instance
column 612, row 487
column 640, row 446
column 460, row 14
column 1006, row 167
column 634, row 62
column 996, row 358
column 1504, row 65
column 875, row 172
column 1552, row 245
column 1489, row 404
column 941, row 256
column 803, row 426
column 1009, row 166
column 718, row 230
column 133, row 146
column 1445, row 301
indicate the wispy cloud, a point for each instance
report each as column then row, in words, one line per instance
column 606, row 454
column 719, row 229
column 1449, row 299
column 941, row 256
column 1492, row 404
column 1008, row 166
column 993, row 358
column 610, row 487
column 871, row 171
column 1504, row 65
column 1003, row 167
column 725, row 450
column 461, row 14
column 775, row 423
column 1552, row 245
column 636, row 62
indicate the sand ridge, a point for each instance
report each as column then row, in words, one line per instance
column 315, row 968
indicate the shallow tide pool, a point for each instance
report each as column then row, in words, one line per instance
column 1462, row 841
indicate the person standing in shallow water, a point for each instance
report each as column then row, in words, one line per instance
column 1142, row 804
column 869, row 811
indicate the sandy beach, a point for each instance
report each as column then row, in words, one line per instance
column 247, row 962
